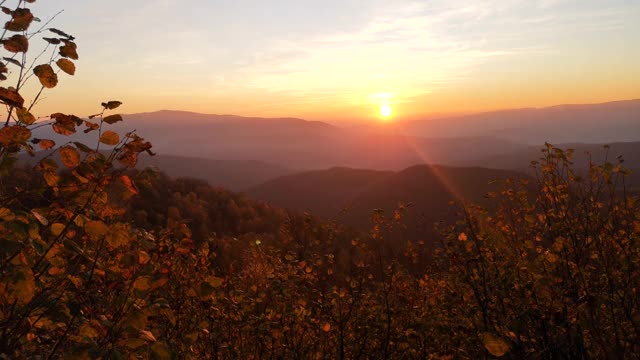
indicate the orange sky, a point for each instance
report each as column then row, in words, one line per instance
column 341, row 60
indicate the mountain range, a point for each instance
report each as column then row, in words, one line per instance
column 479, row 140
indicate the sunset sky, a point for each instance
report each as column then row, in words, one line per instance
column 341, row 59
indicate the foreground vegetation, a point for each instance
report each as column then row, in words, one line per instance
column 99, row 261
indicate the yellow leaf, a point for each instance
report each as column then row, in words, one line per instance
column 6, row 214
column 143, row 258
column 96, row 229
column 21, row 285
column 215, row 281
column 110, row 138
column 551, row 257
column 118, row 235
column 142, row 283
column 67, row 66
column 25, row 117
column 495, row 345
column 88, row 331
column 52, row 179
column 57, row 228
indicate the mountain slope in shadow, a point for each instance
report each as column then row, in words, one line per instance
column 429, row 189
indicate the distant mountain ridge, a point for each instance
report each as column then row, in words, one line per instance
column 307, row 145
column 615, row 121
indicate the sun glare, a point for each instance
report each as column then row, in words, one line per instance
column 386, row 111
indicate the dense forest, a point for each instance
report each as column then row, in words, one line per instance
column 100, row 260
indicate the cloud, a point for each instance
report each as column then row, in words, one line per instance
column 403, row 50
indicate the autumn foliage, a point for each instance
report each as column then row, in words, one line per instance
column 101, row 261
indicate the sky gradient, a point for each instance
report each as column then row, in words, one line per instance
column 338, row 60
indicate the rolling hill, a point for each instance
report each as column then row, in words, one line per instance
column 520, row 159
column 429, row 189
column 292, row 143
column 229, row 174
column 507, row 139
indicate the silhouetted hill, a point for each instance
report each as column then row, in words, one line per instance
column 292, row 143
column 229, row 174
column 520, row 159
column 429, row 189
column 590, row 123
column 308, row 145
column 233, row 175
column 320, row 192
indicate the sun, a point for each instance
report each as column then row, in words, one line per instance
column 386, row 111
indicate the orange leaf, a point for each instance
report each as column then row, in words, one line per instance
column 96, row 229
column 147, row 335
column 46, row 144
column 110, row 138
column 25, row 117
column 21, row 18
column 67, row 66
column 70, row 156
column 69, row 50
column 48, row 78
column 14, row 135
column 11, row 97
column 128, row 183
column 495, row 345
column 142, row 283
column 17, row 44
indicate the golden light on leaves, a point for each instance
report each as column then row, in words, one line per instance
column 495, row 345
column 96, row 229
column 67, row 66
column 69, row 156
column 11, row 97
column 110, row 138
column 48, row 78
column 46, row 144
column 25, row 117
